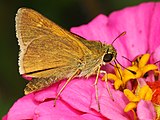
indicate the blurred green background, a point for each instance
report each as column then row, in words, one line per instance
column 66, row 13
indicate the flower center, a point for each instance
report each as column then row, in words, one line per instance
column 135, row 85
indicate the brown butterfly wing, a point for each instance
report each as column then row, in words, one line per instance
column 46, row 48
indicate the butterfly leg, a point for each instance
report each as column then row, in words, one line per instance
column 96, row 87
column 108, row 89
column 69, row 79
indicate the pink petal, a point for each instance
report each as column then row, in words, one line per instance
column 26, row 77
column 151, row 77
column 5, row 117
column 154, row 28
column 23, row 108
column 142, row 81
column 145, row 110
column 136, row 21
column 92, row 117
column 62, row 111
column 47, row 93
column 113, row 109
column 89, row 31
column 78, row 93
column 156, row 56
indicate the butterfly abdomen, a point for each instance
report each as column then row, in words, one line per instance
column 37, row 84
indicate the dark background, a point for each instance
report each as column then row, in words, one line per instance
column 66, row 13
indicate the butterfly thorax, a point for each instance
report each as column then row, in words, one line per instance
column 100, row 55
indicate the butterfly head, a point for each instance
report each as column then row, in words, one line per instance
column 110, row 54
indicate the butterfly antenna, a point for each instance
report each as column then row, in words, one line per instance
column 125, row 67
column 123, row 33
column 127, row 59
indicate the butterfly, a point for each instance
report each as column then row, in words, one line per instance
column 49, row 53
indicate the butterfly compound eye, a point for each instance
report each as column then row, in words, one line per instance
column 107, row 57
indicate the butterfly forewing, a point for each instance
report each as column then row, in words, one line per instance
column 46, row 48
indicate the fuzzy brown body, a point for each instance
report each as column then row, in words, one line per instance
column 50, row 53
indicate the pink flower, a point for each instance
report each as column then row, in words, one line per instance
column 145, row 110
column 77, row 101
